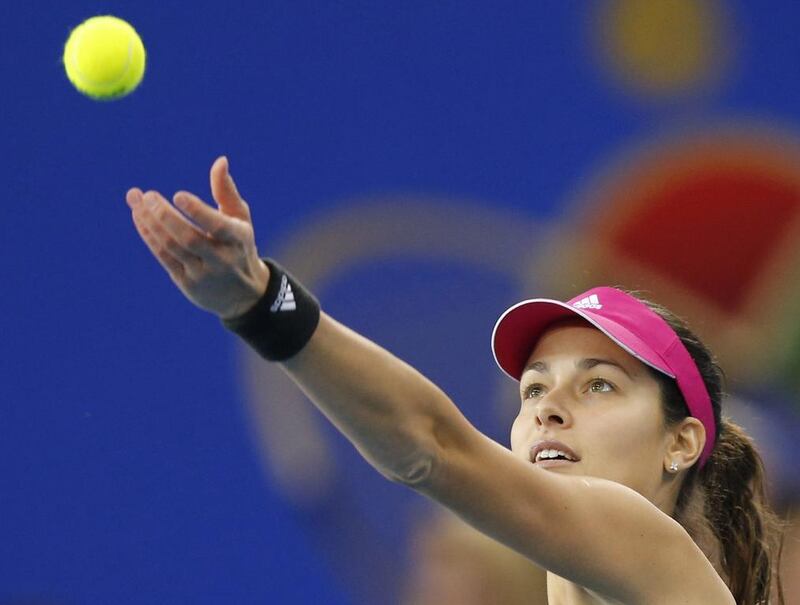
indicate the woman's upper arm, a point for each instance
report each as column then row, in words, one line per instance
column 596, row 533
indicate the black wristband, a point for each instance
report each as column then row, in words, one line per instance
column 282, row 321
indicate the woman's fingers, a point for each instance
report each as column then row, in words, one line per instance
column 218, row 226
column 224, row 191
column 173, row 266
column 172, row 233
column 159, row 212
column 133, row 197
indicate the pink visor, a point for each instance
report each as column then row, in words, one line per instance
column 624, row 319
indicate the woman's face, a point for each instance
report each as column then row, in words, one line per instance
column 590, row 394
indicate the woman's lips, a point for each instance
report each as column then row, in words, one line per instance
column 551, row 463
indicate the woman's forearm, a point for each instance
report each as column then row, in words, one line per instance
column 385, row 407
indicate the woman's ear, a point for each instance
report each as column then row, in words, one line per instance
column 686, row 445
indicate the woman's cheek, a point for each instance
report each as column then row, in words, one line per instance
column 517, row 434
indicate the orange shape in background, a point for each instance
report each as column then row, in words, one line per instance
column 736, row 213
column 707, row 223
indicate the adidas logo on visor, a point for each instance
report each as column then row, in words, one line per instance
column 590, row 302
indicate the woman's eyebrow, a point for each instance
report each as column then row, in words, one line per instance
column 590, row 362
column 539, row 366
column 584, row 364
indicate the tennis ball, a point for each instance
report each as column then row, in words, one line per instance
column 104, row 58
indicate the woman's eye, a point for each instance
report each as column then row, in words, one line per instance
column 600, row 382
column 534, row 390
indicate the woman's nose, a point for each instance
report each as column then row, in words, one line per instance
column 550, row 413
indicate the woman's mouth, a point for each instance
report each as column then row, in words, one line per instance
column 551, row 453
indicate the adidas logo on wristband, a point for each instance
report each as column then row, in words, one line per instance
column 285, row 299
column 278, row 336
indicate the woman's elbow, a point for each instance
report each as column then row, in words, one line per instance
column 416, row 473
column 415, row 466
column 432, row 438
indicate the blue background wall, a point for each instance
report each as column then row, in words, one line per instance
column 130, row 471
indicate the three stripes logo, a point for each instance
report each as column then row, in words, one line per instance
column 285, row 299
column 590, row 302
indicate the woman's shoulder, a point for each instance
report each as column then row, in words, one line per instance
column 628, row 550
column 671, row 567
column 593, row 532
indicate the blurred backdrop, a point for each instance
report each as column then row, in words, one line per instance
column 421, row 166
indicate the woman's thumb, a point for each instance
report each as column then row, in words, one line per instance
column 224, row 190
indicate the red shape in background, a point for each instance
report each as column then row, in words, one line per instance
column 713, row 229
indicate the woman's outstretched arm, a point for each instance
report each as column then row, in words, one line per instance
column 596, row 533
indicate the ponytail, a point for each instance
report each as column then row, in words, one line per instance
column 736, row 508
column 724, row 506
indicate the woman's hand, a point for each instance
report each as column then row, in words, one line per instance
column 212, row 258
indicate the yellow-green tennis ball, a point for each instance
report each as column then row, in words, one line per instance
column 104, row 58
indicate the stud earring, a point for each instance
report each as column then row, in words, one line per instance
column 673, row 467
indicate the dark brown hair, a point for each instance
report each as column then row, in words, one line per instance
column 724, row 505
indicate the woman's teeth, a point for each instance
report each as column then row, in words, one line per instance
column 550, row 454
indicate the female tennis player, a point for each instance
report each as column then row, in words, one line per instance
column 623, row 479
